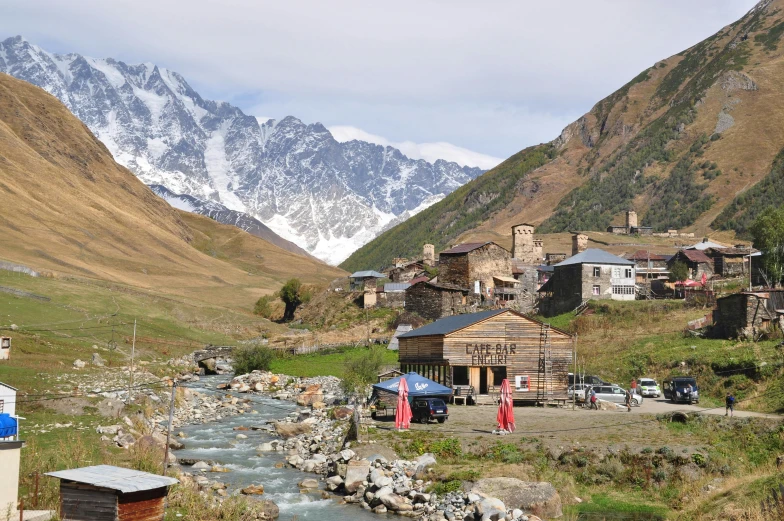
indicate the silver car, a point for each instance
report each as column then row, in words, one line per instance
column 615, row 393
column 648, row 387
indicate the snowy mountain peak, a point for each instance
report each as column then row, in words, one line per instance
column 326, row 196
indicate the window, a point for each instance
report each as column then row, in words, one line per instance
column 522, row 383
column 459, row 375
column 596, row 290
column 597, row 272
column 623, row 290
column 617, row 272
column 628, row 273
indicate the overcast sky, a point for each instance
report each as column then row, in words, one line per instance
column 462, row 79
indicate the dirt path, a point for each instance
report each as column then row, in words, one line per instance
column 557, row 427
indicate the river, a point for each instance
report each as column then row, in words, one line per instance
column 216, row 441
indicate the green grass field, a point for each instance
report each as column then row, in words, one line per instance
column 330, row 363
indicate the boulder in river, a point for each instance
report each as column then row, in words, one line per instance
column 538, row 498
column 289, row 430
column 253, row 490
column 356, row 473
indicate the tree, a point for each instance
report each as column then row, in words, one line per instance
column 768, row 234
column 362, row 370
column 254, row 358
column 293, row 293
column 679, row 271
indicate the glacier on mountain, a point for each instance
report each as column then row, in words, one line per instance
column 326, row 196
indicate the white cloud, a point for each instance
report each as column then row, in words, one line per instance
column 427, row 151
column 492, row 77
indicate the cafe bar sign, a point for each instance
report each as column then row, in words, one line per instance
column 489, row 354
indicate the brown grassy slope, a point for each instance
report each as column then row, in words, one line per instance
column 67, row 207
column 744, row 153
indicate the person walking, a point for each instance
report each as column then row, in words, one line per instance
column 628, row 401
column 729, row 402
column 593, row 400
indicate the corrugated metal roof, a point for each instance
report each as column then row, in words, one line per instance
column 396, row 286
column 418, row 280
column 9, row 387
column 506, row 279
column 115, row 478
column 394, row 345
column 595, row 256
column 464, row 248
column 695, row 256
column 705, row 244
column 447, row 325
column 367, row 274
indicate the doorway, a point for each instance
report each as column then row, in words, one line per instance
column 483, row 380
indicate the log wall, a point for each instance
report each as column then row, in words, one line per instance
column 80, row 502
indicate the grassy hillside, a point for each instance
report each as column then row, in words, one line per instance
column 681, row 144
column 70, row 210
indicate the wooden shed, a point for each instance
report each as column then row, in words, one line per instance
column 481, row 349
column 108, row 493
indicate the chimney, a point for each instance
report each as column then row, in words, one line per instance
column 579, row 243
column 429, row 255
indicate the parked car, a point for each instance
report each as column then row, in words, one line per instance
column 587, row 379
column 677, row 390
column 615, row 393
column 648, row 387
column 426, row 409
column 580, row 390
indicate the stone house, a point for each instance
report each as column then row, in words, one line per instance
column 697, row 262
column 473, row 266
column 650, row 266
column 393, row 295
column 593, row 274
column 747, row 314
column 434, row 300
column 407, row 271
column 359, row 280
column 730, row 262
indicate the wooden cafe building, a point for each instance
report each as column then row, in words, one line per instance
column 481, row 349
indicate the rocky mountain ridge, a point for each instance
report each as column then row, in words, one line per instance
column 688, row 144
column 326, row 196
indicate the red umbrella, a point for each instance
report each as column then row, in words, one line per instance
column 505, row 408
column 403, row 413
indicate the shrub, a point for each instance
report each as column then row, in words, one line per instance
column 612, row 469
column 446, row 448
column 249, row 359
column 362, row 370
column 263, row 307
column 445, row 487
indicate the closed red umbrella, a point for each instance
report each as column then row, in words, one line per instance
column 505, row 408
column 403, row 413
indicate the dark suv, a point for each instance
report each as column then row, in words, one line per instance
column 426, row 409
column 682, row 389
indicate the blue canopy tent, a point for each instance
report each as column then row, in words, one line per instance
column 418, row 385
column 8, row 426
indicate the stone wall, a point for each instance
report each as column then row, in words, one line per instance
column 743, row 315
column 392, row 299
column 433, row 302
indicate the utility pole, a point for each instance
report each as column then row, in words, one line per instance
column 574, row 380
column 169, row 429
column 367, row 327
column 133, row 352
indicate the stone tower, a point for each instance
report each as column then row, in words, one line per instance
column 429, row 255
column 523, row 248
column 579, row 243
column 538, row 250
column 631, row 220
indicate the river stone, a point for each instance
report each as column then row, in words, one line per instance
column 342, row 413
column 383, row 491
column 267, row 507
column 309, row 483
column 334, row 482
column 356, row 473
column 201, row 465
column 289, row 430
column 538, row 498
column 241, row 437
column 394, row 502
column 380, row 509
column 253, row 490
column 424, row 462
column 347, row 454
column 266, row 447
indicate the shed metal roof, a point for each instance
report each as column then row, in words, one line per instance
column 645, row 255
column 465, row 248
column 367, row 274
column 448, row 325
column 418, row 280
column 396, row 286
column 705, row 244
column 506, row 279
column 9, row 387
column 115, row 478
column 595, row 256
column 695, row 256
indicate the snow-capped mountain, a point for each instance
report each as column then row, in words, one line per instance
column 328, row 197
column 220, row 213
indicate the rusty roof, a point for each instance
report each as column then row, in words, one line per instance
column 465, row 248
column 115, row 478
column 735, row 251
column 695, row 256
column 645, row 255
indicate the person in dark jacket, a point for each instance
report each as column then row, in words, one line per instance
column 729, row 403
